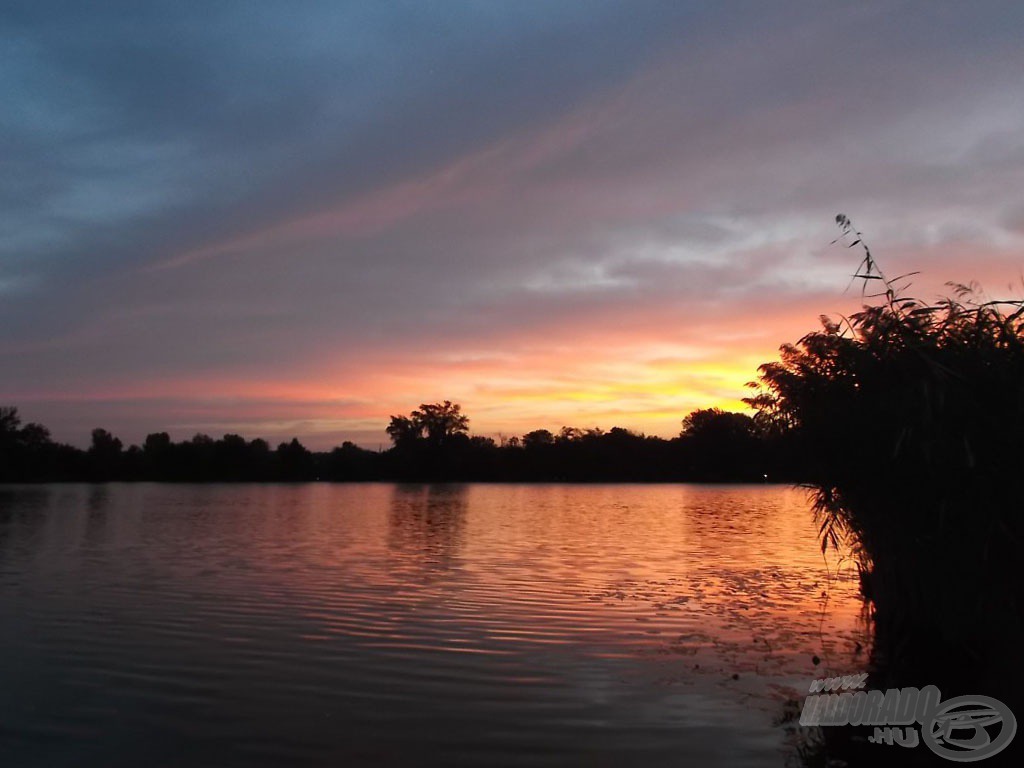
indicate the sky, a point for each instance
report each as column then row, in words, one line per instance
column 298, row 219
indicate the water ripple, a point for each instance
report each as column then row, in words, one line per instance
column 377, row 624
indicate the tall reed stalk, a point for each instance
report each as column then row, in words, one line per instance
column 909, row 418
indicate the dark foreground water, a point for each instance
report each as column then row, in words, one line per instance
column 262, row 625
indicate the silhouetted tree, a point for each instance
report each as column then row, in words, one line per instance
column 34, row 436
column 157, row 443
column 440, row 422
column 104, row 443
column 722, row 445
column 9, row 422
column 294, row 461
column 536, row 438
column 350, row 462
column 568, row 434
column 104, row 455
column 404, row 431
column 717, row 425
column 157, row 457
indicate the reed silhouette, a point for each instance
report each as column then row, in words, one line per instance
column 905, row 419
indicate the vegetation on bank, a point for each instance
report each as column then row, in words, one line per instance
column 431, row 443
column 906, row 419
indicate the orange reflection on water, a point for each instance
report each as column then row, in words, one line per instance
column 705, row 580
column 477, row 623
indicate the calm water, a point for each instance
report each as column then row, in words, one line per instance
column 261, row 625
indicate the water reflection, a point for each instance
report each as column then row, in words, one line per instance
column 432, row 624
column 426, row 522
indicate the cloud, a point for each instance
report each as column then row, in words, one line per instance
column 521, row 207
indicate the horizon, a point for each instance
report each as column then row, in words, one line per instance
column 500, row 438
column 299, row 222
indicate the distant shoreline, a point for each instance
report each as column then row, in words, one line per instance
column 432, row 445
column 702, row 483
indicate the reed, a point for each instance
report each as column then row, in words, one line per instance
column 908, row 418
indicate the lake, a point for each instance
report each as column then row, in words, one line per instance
column 384, row 624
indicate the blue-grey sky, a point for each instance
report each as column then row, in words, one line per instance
column 298, row 218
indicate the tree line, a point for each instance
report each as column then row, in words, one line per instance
column 432, row 443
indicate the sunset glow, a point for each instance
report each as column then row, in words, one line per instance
column 609, row 229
